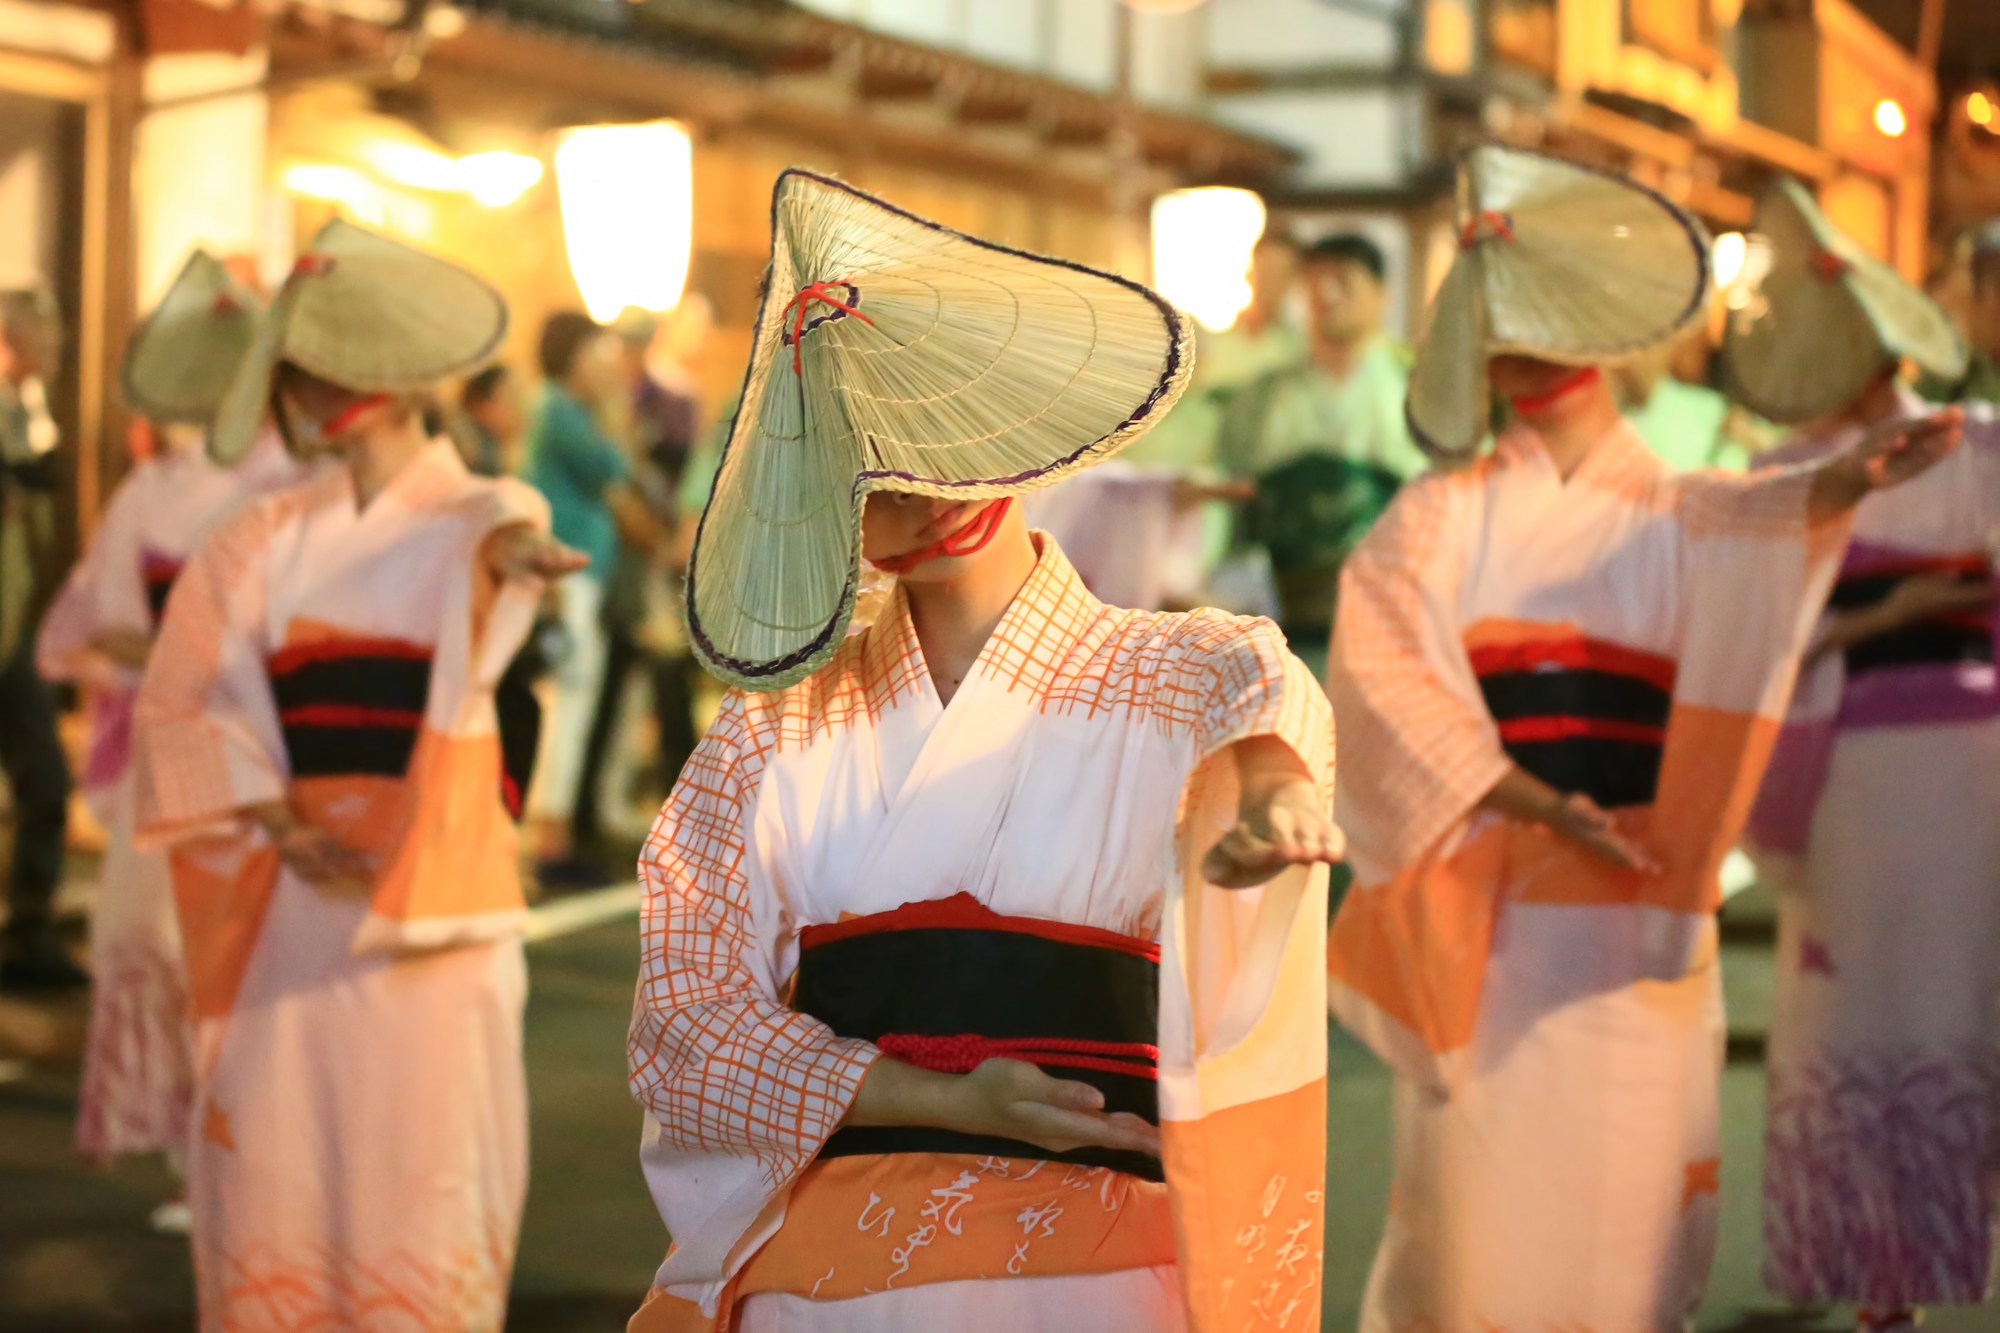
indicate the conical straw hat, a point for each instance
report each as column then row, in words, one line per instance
column 366, row 313
column 1826, row 318
column 1557, row 261
column 180, row 361
column 892, row 353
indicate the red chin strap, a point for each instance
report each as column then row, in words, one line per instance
column 972, row 538
column 1580, row 378
column 344, row 420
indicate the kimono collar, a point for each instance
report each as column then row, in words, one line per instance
column 1620, row 461
column 435, row 472
column 1036, row 636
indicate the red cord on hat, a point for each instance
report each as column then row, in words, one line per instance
column 969, row 539
column 312, row 265
column 796, row 307
column 1486, row 225
column 1579, row 378
column 1826, row 265
column 968, row 1050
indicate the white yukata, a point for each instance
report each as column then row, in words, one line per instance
column 1880, row 823
column 1555, row 1024
column 360, row 1154
column 137, row 1069
column 1047, row 795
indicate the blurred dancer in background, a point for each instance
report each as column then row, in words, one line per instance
column 32, row 953
column 489, row 422
column 1877, row 818
column 137, row 1068
column 315, row 739
column 1556, row 675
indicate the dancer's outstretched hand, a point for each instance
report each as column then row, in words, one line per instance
column 1280, row 821
column 522, row 552
column 1888, row 455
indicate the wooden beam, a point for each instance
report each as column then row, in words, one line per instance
column 1778, row 150
column 1930, row 34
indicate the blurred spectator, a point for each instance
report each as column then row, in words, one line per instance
column 31, row 952
column 1687, row 424
column 588, row 481
column 1981, row 308
column 665, row 417
column 490, row 421
column 1324, row 438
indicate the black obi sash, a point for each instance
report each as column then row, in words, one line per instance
column 351, row 706
column 949, row 983
column 1953, row 640
column 1581, row 714
column 158, row 573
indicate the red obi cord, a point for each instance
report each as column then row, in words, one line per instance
column 967, row 1051
column 823, row 292
column 1580, row 378
column 967, row 540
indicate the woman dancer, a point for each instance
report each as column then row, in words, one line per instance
column 316, row 743
column 950, row 1015
column 1558, row 672
column 1877, row 819
column 137, row 1071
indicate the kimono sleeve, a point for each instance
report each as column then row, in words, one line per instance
column 105, row 591
column 1406, row 955
column 1421, row 748
column 206, row 736
column 1242, row 1018
column 740, row 1089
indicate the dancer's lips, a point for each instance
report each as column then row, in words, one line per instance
column 947, row 521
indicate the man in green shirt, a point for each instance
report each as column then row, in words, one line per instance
column 1324, row 437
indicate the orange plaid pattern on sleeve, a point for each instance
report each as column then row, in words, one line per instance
column 193, row 764
column 721, row 1063
column 1769, row 503
column 1421, row 754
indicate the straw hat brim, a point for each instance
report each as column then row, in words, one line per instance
column 369, row 314
column 180, row 361
column 1826, row 319
column 929, row 362
column 1580, row 267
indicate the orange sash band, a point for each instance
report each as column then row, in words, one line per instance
column 857, row 1225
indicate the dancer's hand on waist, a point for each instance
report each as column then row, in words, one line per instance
column 315, row 855
column 1521, row 795
column 1002, row 1098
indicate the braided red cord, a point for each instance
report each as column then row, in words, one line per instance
column 965, row 1052
column 1488, row 223
column 796, row 308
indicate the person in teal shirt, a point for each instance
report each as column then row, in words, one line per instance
column 586, row 478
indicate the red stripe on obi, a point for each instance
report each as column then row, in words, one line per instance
column 1562, row 728
column 1574, row 653
column 962, row 911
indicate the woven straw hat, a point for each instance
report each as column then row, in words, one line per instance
column 366, row 313
column 892, row 353
column 1826, row 318
column 1557, row 261
column 181, row 360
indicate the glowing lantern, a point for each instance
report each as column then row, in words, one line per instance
column 627, row 194
column 1889, row 118
column 1202, row 241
